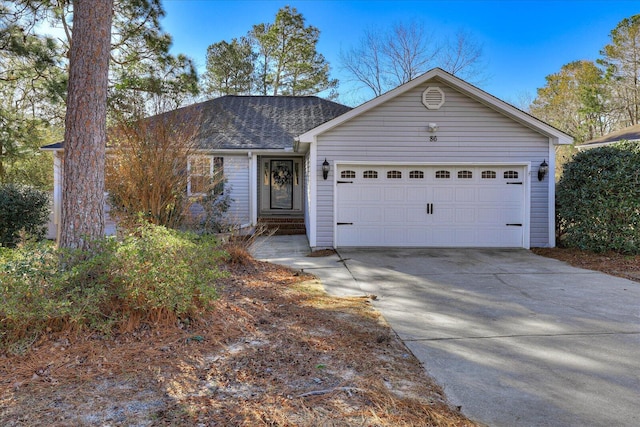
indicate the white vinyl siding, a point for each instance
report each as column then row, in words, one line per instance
column 236, row 172
column 468, row 132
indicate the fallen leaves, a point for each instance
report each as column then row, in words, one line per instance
column 275, row 350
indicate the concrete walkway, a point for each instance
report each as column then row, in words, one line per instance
column 515, row 339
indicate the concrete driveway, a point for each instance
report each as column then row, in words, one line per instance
column 513, row 338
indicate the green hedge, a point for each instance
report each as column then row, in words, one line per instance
column 23, row 210
column 598, row 200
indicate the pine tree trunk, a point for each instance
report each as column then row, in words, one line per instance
column 85, row 124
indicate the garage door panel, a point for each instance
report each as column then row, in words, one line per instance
column 443, row 215
column 416, row 215
column 416, row 236
column 395, row 215
column 465, row 215
column 394, row 236
column 433, row 208
column 370, row 194
column 371, row 215
column 443, row 194
column 394, row 194
column 489, row 215
column 370, row 236
column 417, row 194
column 348, row 192
column 491, row 194
column 465, row 194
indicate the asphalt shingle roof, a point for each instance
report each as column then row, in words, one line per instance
column 258, row 122
column 252, row 122
column 631, row 133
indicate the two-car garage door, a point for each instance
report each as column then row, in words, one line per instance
column 436, row 206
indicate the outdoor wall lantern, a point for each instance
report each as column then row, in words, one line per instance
column 542, row 170
column 325, row 168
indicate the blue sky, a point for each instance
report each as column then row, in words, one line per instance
column 523, row 41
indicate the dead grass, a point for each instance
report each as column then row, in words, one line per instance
column 626, row 266
column 275, row 351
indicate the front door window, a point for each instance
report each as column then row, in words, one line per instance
column 281, row 184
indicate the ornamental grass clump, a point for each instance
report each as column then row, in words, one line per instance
column 152, row 276
column 598, row 200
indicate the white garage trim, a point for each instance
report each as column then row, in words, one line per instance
column 414, row 196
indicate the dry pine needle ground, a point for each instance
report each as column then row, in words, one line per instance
column 274, row 351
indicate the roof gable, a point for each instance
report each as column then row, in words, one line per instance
column 557, row 136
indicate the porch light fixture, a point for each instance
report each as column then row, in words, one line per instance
column 325, row 168
column 433, row 127
column 542, row 170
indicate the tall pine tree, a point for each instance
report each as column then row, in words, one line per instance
column 289, row 62
column 621, row 58
column 85, row 125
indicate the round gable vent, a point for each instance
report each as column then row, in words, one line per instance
column 433, row 98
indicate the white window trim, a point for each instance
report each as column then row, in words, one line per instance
column 211, row 171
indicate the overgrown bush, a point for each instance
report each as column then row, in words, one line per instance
column 208, row 211
column 146, row 168
column 24, row 211
column 598, row 200
column 153, row 275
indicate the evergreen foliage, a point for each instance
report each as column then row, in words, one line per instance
column 278, row 58
column 598, row 200
column 24, row 211
column 230, row 67
column 153, row 276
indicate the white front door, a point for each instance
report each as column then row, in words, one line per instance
column 422, row 206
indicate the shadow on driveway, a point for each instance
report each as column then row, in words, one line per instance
column 514, row 338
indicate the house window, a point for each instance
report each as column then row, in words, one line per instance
column 394, row 175
column 443, row 174
column 205, row 173
column 416, row 175
column 511, row 175
column 348, row 174
column 465, row 174
column 370, row 174
column 488, row 175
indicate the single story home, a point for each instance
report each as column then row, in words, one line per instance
column 436, row 162
column 631, row 133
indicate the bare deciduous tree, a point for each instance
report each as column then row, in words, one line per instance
column 409, row 51
column 384, row 60
column 365, row 62
column 462, row 57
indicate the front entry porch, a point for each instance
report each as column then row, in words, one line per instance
column 280, row 183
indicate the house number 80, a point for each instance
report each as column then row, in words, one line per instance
column 433, row 138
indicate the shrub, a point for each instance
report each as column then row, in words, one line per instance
column 598, row 200
column 154, row 275
column 23, row 210
column 208, row 212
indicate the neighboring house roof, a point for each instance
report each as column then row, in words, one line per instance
column 631, row 133
column 253, row 122
column 558, row 137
